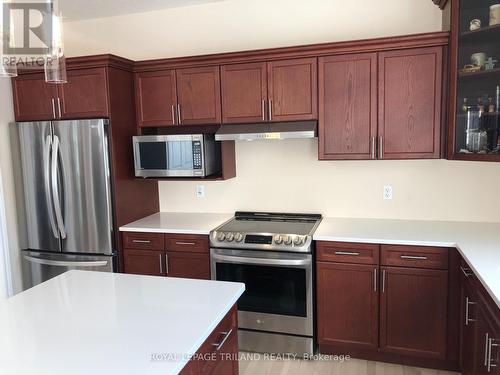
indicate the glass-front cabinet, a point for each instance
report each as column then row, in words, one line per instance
column 475, row 94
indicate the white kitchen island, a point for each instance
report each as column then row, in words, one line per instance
column 92, row 323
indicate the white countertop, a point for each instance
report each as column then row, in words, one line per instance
column 177, row 222
column 479, row 243
column 83, row 323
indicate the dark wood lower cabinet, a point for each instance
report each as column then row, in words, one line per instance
column 218, row 355
column 347, row 303
column 172, row 255
column 189, row 265
column 144, row 262
column 413, row 312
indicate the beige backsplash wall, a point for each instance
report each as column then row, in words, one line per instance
column 286, row 175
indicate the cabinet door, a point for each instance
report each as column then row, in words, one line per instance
column 198, row 93
column 85, row 95
column 347, row 298
column 468, row 326
column 227, row 362
column 410, row 103
column 155, row 98
column 413, row 312
column 144, row 262
column 34, row 99
column 189, row 265
column 244, row 93
column 348, row 106
column 293, row 90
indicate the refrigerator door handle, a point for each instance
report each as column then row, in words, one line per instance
column 55, row 187
column 60, row 263
column 46, row 177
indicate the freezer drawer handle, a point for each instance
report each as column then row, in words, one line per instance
column 60, row 263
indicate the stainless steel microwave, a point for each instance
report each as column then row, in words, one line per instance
column 186, row 155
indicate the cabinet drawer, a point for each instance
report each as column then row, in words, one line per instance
column 146, row 241
column 414, row 256
column 219, row 342
column 343, row 252
column 187, row 242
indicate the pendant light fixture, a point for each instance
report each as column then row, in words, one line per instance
column 55, row 61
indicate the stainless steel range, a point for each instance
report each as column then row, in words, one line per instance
column 272, row 254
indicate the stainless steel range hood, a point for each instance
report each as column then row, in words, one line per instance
column 278, row 130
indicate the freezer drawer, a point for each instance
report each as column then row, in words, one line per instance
column 39, row 266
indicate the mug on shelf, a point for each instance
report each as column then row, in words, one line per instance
column 475, row 24
column 495, row 15
column 478, row 59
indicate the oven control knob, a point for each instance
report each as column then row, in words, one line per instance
column 238, row 237
column 278, row 240
column 298, row 241
column 288, row 240
column 221, row 236
column 230, row 237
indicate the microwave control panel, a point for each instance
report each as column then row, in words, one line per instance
column 197, row 155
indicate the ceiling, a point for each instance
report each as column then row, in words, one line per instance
column 87, row 9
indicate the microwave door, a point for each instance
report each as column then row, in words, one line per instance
column 151, row 158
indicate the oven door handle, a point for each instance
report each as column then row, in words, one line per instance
column 260, row 261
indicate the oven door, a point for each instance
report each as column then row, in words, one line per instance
column 278, row 295
column 169, row 156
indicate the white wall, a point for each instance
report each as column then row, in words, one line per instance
column 6, row 117
column 286, row 175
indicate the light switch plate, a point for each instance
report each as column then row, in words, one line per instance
column 387, row 192
column 200, row 191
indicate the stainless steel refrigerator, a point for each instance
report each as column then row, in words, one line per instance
column 67, row 197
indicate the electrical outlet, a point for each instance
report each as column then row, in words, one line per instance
column 387, row 192
column 200, row 191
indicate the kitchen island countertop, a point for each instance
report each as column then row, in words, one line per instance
column 84, row 322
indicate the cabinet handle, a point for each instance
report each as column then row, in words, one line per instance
column 173, row 114
column 270, row 106
column 383, row 281
column 141, row 241
column 53, row 108
column 491, row 344
column 412, row 257
column 166, row 264
column 380, row 147
column 185, row 243
column 263, row 109
column 375, row 280
column 467, row 304
column 465, row 271
column 353, row 253
column 179, row 121
column 161, row 264
column 373, row 146
column 59, row 107
column 221, row 344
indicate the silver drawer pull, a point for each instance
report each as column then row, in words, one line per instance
column 491, row 344
column 185, row 243
column 353, row 253
column 141, row 241
column 466, row 271
column 412, row 257
column 468, row 303
column 221, row 344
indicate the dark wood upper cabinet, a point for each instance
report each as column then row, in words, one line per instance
column 413, row 312
column 198, row 95
column 156, row 98
column 293, row 89
column 34, row 99
column 347, row 300
column 348, row 106
column 85, row 95
column 244, row 93
column 410, row 85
